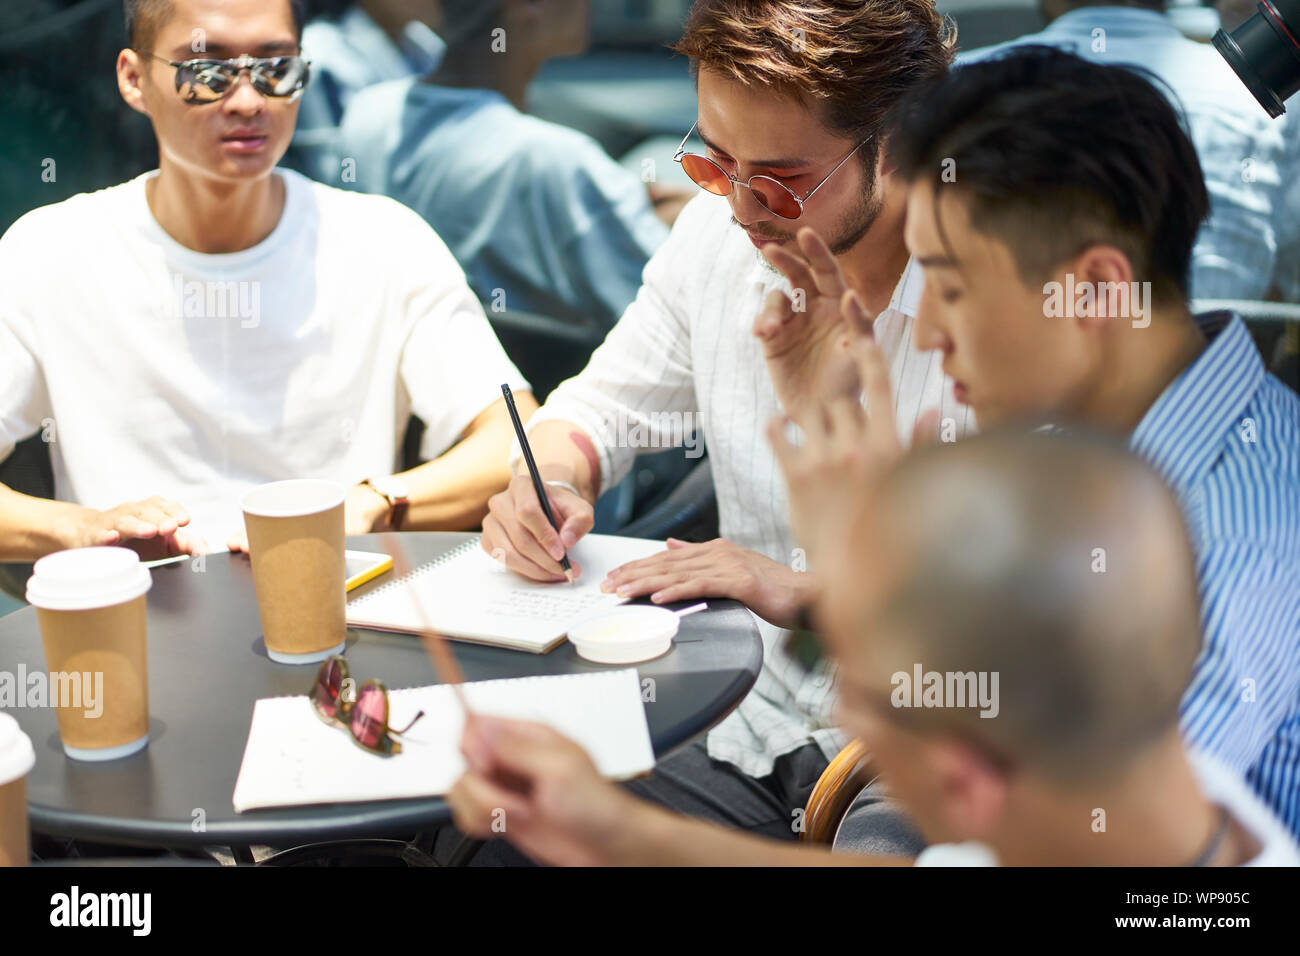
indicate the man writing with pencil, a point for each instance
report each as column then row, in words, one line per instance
column 535, row 476
column 791, row 100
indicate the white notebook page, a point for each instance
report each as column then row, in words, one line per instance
column 293, row 758
column 467, row 594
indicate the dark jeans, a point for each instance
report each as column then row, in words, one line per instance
column 877, row 824
column 691, row 783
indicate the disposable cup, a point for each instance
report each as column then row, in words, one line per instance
column 295, row 543
column 90, row 604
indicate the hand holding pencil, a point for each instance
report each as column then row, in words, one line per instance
column 533, row 523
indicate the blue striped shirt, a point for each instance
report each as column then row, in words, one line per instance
column 1226, row 435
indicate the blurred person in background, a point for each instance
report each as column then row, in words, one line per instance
column 538, row 214
column 1286, row 222
column 1249, row 170
column 354, row 44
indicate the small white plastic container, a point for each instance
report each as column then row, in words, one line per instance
column 625, row 635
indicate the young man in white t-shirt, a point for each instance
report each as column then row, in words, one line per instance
column 218, row 323
column 1020, row 698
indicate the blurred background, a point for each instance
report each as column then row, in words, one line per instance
column 60, row 100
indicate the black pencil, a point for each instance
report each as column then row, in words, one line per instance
column 536, row 475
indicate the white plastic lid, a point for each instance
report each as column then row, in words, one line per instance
column 289, row 499
column 625, row 635
column 83, row 578
column 16, row 754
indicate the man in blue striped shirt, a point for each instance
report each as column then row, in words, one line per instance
column 1054, row 207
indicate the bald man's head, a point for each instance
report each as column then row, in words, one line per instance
column 1060, row 564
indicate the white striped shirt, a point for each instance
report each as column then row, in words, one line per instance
column 1226, row 436
column 686, row 346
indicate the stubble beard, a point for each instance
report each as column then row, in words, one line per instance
column 848, row 232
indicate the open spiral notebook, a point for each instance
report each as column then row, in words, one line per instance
column 293, row 758
column 470, row 596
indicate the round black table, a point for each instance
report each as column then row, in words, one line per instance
column 207, row 666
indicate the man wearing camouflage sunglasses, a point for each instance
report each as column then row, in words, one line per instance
column 206, row 327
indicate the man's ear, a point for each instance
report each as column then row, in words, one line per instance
column 889, row 186
column 130, row 77
column 972, row 792
column 884, row 165
column 1109, row 273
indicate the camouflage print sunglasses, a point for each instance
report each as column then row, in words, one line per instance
column 207, row 81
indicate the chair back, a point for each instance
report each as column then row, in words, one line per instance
column 844, row 778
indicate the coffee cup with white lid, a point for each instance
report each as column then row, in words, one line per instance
column 16, row 760
column 91, row 606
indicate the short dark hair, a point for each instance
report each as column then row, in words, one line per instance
column 854, row 58
column 1055, row 153
column 145, row 17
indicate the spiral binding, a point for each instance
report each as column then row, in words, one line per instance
column 465, row 547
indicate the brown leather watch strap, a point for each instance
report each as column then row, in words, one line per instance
column 397, row 507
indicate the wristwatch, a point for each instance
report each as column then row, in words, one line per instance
column 394, row 491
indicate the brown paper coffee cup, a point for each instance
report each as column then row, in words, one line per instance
column 296, row 543
column 16, row 761
column 90, row 603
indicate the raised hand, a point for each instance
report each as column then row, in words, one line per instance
column 806, row 340
column 845, row 450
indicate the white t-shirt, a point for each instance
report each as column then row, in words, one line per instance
column 1221, row 787
column 158, row 370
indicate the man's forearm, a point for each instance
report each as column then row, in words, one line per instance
column 451, row 492
column 654, row 836
column 563, row 452
column 31, row 528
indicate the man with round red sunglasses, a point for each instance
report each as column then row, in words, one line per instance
column 219, row 323
column 727, row 331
